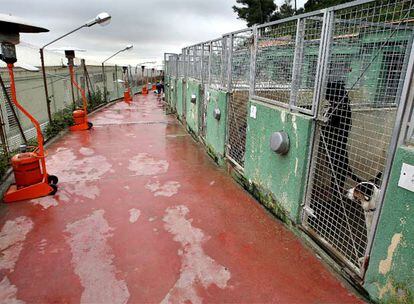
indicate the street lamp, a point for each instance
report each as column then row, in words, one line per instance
column 127, row 48
column 102, row 19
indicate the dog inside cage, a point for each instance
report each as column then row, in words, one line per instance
column 360, row 95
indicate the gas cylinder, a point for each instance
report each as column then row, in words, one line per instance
column 79, row 117
column 144, row 90
column 26, row 169
column 127, row 96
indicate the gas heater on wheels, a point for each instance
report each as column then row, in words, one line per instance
column 80, row 116
column 31, row 177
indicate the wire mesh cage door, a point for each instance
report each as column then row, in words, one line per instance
column 239, row 82
column 187, row 72
column 367, row 51
column 205, row 61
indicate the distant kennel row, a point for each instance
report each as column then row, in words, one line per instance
column 338, row 79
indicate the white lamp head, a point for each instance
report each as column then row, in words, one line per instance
column 101, row 19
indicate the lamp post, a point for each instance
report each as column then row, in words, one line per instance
column 102, row 19
column 128, row 47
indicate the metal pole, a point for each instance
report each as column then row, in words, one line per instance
column 6, row 95
column 105, row 84
column 3, row 137
column 85, row 75
column 253, row 54
column 73, row 92
column 42, row 61
column 116, row 83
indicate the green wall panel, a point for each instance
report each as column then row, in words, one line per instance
column 193, row 87
column 284, row 176
column 216, row 129
column 390, row 274
column 179, row 96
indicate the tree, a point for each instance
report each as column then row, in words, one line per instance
column 313, row 5
column 255, row 11
column 286, row 10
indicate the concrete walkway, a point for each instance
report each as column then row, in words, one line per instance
column 143, row 215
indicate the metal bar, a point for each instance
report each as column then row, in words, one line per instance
column 105, row 82
column 229, row 64
column 297, row 63
column 320, row 72
column 209, row 63
column 42, row 61
column 270, row 101
column 239, row 31
column 63, row 36
column 254, row 48
column 306, row 15
column 325, row 60
column 324, row 45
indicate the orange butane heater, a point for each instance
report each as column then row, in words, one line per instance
column 154, row 87
column 80, row 116
column 144, row 81
column 29, row 168
column 144, row 90
column 127, row 89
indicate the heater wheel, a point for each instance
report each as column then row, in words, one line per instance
column 52, row 179
column 90, row 125
column 54, row 187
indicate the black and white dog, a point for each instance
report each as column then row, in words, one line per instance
column 335, row 134
column 367, row 194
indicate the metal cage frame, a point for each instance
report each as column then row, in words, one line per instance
column 302, row 88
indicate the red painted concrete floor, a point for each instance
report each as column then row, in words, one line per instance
column 142, row 215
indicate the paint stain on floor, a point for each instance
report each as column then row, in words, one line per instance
column 197, row 266
column 145, row 164
column 167, row 189
column 93, row 260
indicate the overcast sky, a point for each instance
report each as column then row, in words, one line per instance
column 152, row 26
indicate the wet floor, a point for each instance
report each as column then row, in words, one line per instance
column 142, row 215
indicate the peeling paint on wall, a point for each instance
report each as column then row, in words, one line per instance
column 197, row 267
column 283, row 116
column 385, row 289
column 295, row 130
column 92, row 259
column 385, row 265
